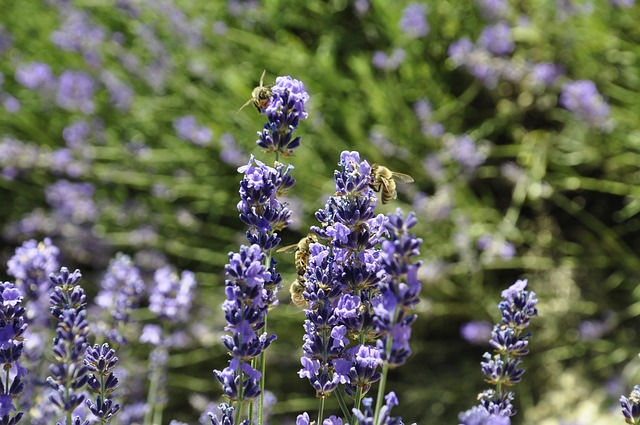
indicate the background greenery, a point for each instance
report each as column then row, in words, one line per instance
column 563, row 193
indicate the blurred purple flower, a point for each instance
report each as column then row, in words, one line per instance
column 230, row 152
column 120, row 93
column 476, row 332
column 11, row 104
column 616, row 3
column 6, row 40
column 389, row 63
column 493, row 10
column 31, row 265
column 459, row 50
column 465, row 152
column 497, row 39
column 76, row 134
column 545, row 73
column 78, row 33
column 414, row 20
column 35, row 75
column 172, row 295
column 219, row 28
column 587, row 104
column 361, row 7
column 189, row 130
column 72, row 201
column 75, row 92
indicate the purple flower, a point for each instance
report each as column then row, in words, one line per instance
column 75, row 92
column 476, row 332
column 72, row 202
column 68, row 374
column 100, row 362
column 78, row 33
column 465, row 152
column 284, row 111
column 6, row 40
column 414, row 22
column 497, row 39
column 189, row 130
column 11, row 104
column 121, row 292
column 616, row 3
column 503, row 367
column 587, row 104
column 459, row 50
column 12, row 329
column 35, row 76
column 493, row 9
column 478, row 415
column 31, row 265
column 545, row 74
column 389, row 63
column 121, row 94
column 631, row 406
column 172, row 295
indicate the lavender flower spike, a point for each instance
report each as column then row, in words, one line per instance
column 502, row 368
column 68, row 374
column 631, row 406
column 284, row 111
column 100, row 361
column 12, row 328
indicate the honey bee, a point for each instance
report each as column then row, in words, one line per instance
column 382, row 180
column 260, row 95
column 302, row 253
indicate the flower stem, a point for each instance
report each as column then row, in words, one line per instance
column 383, row 380
column 320, row 410
column 343, row 405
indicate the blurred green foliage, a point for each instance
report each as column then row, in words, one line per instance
column 564, row 194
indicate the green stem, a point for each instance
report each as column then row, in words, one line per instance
column 263, row 370
column 320, row 410
column 343, row 405
column 383, row 379
column 151, row 395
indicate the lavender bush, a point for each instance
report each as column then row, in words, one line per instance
column 118, row 133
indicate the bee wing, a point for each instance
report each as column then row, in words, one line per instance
column 262, row 76
column 288, row 248
column 403, row 178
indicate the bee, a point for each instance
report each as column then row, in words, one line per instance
column 259, row 96
column 302, row 253
column 382, row 180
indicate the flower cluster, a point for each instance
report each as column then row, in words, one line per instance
column 68, row 373
column 245, row 309
column 12, row 328
column 100, row 362
column 285, row 110
column 585, row 102
column 360, row 287
column 510, row 344
column 121, row 292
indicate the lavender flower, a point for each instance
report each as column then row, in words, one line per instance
column 545, row 74
column 497, row 39
column 35, row 76
column 245, row 309
column 121, row 94
column 75, row 92
column 479, row 415
column 100, row 362
column 493, row 9
column 367, row 417
column 172, row 295
column 389, row 63
column 503, row 367
column 78, row 33
column 587, row 104
column 284, row 111
column 12, row 328
column 631, row 406
column 188, row 130
column 226, row 416
column 72, row 202
column 31, row 265
column 459, row 50
column 414, row 22
column 121, row 292
column 465, row 152
column 68, row 374
column 476, row 332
